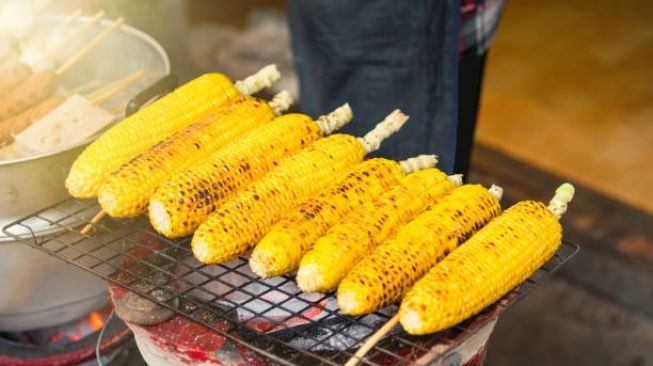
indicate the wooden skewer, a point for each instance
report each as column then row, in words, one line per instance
column 97, row 218
column 105, row 94
column 85, row 87
column 69, row 19
column 119, row 110
column 63, row 41
column 82, row 52
column 373, row 340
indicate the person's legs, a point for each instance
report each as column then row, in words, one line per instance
column 380, row 55
column 470, row 82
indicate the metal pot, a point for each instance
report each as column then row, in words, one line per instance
column 37, row 290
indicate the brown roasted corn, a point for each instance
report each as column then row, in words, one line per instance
column 382, row 276
column 126, row 192
column 496, row 259
column 192, row 102
column 184, row 200
column 334, row 254
column 236, row 226
column 281, row 249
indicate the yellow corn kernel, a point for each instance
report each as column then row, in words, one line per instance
column 496, row 259
column 281, row 249
column 184, row 201
column 236, row 226
column 334, row 254
column 126, row 192
column 192, row 102
column 382, row 276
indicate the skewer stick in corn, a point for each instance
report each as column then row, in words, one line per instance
column 126, row 192
column 372, row 341
column 184, row 200
column 281, row 249
column 236, row 226
column 334, row 254
column 495, row 260
column 192, row 102
column 381, row 277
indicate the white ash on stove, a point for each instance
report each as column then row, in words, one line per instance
column 277, row 306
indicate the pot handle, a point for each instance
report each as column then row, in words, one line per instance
column 160, row 88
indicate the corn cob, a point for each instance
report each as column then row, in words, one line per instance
column 496, row 259
column 184, row 201
column 240, row 222
column 382, row 276
column 281, row 249
column 126, row 192
column 190, row 103
column 334, row 254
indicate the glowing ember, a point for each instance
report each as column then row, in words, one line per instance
column 96, row 320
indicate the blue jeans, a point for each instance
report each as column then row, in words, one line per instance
column 379, row 55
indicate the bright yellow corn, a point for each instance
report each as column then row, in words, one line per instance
column 184, row 201
column 126, row 192
column 382, row 276
column 282, row 247
column 495, row 260
column 192, row 102
column 235, row 227
column 334, row 254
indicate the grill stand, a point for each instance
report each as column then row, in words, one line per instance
column 269, row 321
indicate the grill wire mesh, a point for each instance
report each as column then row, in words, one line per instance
column 270, row 317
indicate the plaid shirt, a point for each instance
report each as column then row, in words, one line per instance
column 479, row 22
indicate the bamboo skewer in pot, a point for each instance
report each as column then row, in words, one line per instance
column 109, row 91
column 66, row 22
column 68, row 37
column 38, row 87
column 12, row 76
column 11, row 127
column 511, row 247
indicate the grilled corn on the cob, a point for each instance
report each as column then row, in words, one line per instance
column 382, row 276
column 190, row 103
column 126, row 192
column 281, row 249
column 334, row 254
column 497, row 258
column 236, row 226
column 184, row 201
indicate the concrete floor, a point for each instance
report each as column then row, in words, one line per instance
column 564, row 325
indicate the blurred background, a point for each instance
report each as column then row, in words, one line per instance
column 567, row 95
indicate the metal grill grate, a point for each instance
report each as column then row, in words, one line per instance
column 271, row 317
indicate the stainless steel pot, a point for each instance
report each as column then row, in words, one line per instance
column 37, row 290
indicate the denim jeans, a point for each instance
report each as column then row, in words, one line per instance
column 379, row 55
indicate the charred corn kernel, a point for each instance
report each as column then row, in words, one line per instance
column 236, row 226
column 192, row 102
column 281, row 249
column 334, row 254
column 184, row 201
column 382, row 276
column 496, row 259
column 126, row 192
